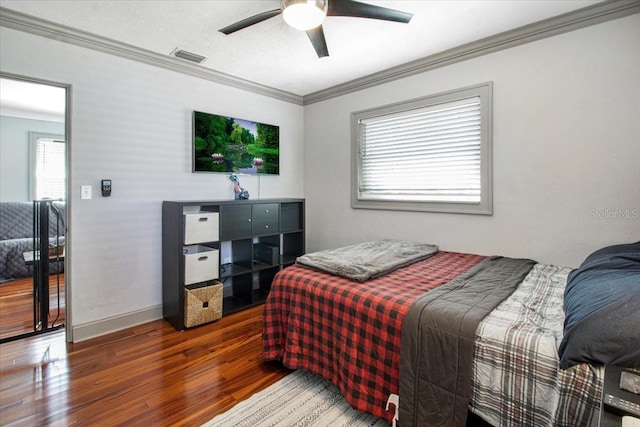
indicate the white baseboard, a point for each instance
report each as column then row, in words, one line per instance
column 116, row 323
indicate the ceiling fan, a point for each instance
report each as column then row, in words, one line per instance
column 307, row 15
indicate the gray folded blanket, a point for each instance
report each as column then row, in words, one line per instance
column 367, row 260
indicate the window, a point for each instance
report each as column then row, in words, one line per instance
column 48, row 172
column 428, row 154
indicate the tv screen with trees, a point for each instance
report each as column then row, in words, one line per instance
column 230, row 145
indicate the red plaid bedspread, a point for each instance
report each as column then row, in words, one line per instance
column 349, row 332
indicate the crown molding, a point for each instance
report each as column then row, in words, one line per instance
column 581, row 18
column 30, row 24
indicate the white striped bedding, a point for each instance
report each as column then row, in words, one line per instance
column 516, row 378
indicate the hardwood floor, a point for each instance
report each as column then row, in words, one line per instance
column 149, row 375
column 16, row 305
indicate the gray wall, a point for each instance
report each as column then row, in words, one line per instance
column 566, row 144
column 14, row 154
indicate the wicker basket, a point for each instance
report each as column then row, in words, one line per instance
column 202, row 305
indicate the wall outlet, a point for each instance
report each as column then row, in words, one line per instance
column 226, row 260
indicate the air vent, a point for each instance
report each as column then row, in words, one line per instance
column 189, row 56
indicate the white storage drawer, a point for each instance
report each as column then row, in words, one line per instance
column 201, row 263
column 200, row 227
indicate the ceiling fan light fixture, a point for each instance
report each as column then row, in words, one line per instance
column 304, row 14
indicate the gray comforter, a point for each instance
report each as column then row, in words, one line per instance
column 367, row 260
column 438, row 339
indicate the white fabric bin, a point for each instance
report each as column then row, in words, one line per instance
column 201, row 263
column 200, row 227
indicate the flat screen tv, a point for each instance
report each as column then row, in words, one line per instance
column 225, row 144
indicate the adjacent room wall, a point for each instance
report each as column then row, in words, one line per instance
column 14, row 154
column 131, row 123
column 566, row 144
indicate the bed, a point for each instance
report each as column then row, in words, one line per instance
column 449, row 333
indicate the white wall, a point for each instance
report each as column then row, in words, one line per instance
column 14, row 154
column 131, row 122
column 566, row 146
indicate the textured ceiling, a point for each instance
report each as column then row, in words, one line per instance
column 275, row 55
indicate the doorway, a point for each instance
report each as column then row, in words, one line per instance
column 34, row 141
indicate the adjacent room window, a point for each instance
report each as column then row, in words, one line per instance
column 427, row 154
column 48, row 166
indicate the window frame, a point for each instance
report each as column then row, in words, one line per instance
column 34, row 138
column 484, row 206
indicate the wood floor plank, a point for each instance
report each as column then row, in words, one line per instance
column 146, row 375
column 16, row 305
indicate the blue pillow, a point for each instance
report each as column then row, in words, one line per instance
column 602, row 309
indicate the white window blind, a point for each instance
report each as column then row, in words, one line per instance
column 50, row 175
column 431, row 154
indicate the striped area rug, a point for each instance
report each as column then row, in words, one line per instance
column 299, row 399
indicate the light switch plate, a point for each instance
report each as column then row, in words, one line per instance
column 85, row 192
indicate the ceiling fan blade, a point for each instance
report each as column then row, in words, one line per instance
column 316, row 35
column 364, row 10
column 250, row 21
